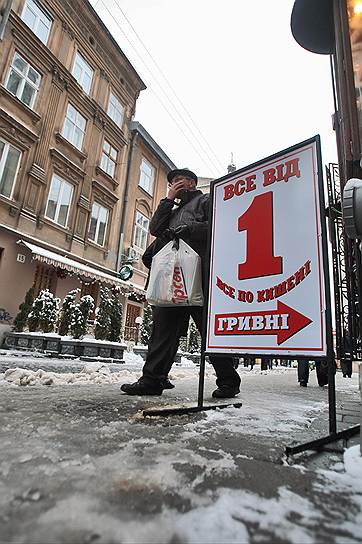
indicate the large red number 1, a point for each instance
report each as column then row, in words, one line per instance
column 258, row 223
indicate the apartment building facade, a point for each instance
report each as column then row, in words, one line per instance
column 67, row 97
column 148, row 169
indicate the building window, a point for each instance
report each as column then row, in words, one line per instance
column 23, row 80
column 82, row 72
column 74, row 127
column 147, row 174
column 141, row 231
column 9, row 164
column 115, row 109
column 98, row 224
column 37, row 20
column 59, row 200
column 109, row 158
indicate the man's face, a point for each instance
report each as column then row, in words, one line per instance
column 185, row 183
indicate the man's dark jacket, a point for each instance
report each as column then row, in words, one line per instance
column 193, row 211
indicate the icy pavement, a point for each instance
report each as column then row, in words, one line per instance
column 80, row 464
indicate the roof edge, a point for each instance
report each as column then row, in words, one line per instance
column 135, row 126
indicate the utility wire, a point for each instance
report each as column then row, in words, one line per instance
column 169, row 84
column 207, row 164
column 209, row 158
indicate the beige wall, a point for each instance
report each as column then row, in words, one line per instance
column 15, row 278
column 37, row 132
column 141, row 200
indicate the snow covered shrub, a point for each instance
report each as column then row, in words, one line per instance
column 49, row 312
column 44, row 312
column 103, row 315
column 24, row 309
column 146, row 327
column 194, row 339
column 183, row 344
column 66, row 312
column 115, row 316
column 108, row 322
column 34, row 315
column 80, row 315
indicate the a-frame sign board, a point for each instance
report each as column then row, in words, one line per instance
column 268, row 292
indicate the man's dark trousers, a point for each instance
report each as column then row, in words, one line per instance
column 168, row 325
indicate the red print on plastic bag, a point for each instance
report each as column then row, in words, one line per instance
column 179, row 293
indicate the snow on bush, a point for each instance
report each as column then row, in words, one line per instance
column 67, row 311
column 80, row 316
column 44, row 312
column 108, row 320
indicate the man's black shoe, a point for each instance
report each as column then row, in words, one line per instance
column 225, row 392
column 141, row 388
column 166, row 384
column 303, row 384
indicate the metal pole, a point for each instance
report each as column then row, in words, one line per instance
column 200, row 398
column 332, row 396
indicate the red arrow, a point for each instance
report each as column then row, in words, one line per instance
column 284, row 322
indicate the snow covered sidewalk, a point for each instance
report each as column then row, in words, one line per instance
column 79, row 463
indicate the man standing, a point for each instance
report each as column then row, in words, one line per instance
column 189, row 221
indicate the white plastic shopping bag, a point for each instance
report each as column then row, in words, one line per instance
column 176, row 276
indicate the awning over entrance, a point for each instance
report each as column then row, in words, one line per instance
column 52, row 258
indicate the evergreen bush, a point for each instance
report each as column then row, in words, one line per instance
column 103, row 315
column 116, row 311
column 21, row 317
column 80, row 315
column 44, row 312
column 49, row 312
column 146, row 326
column 66, row 312
column 194, row 339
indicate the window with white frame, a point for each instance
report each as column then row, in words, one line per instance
column 9, row 165
column 109, row 158
column 82, row 72
column 74, row 127
column 23, row 80
column 59, row 200
column 115, row 109
column 98, row 224
column 37, row 19
column 141, row 230
column 147, row 175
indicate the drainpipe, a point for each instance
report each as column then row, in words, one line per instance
column 125, row 198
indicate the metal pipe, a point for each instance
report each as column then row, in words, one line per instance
column 125, row 198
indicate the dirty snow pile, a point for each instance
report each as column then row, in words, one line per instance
column 92, row 373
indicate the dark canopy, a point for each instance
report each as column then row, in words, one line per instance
column 312, row 25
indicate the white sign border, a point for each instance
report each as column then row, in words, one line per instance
column 325, row 348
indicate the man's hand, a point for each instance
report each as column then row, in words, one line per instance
column 175, row 188
column 182, row 231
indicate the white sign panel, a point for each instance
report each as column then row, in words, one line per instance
column 266, row 286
